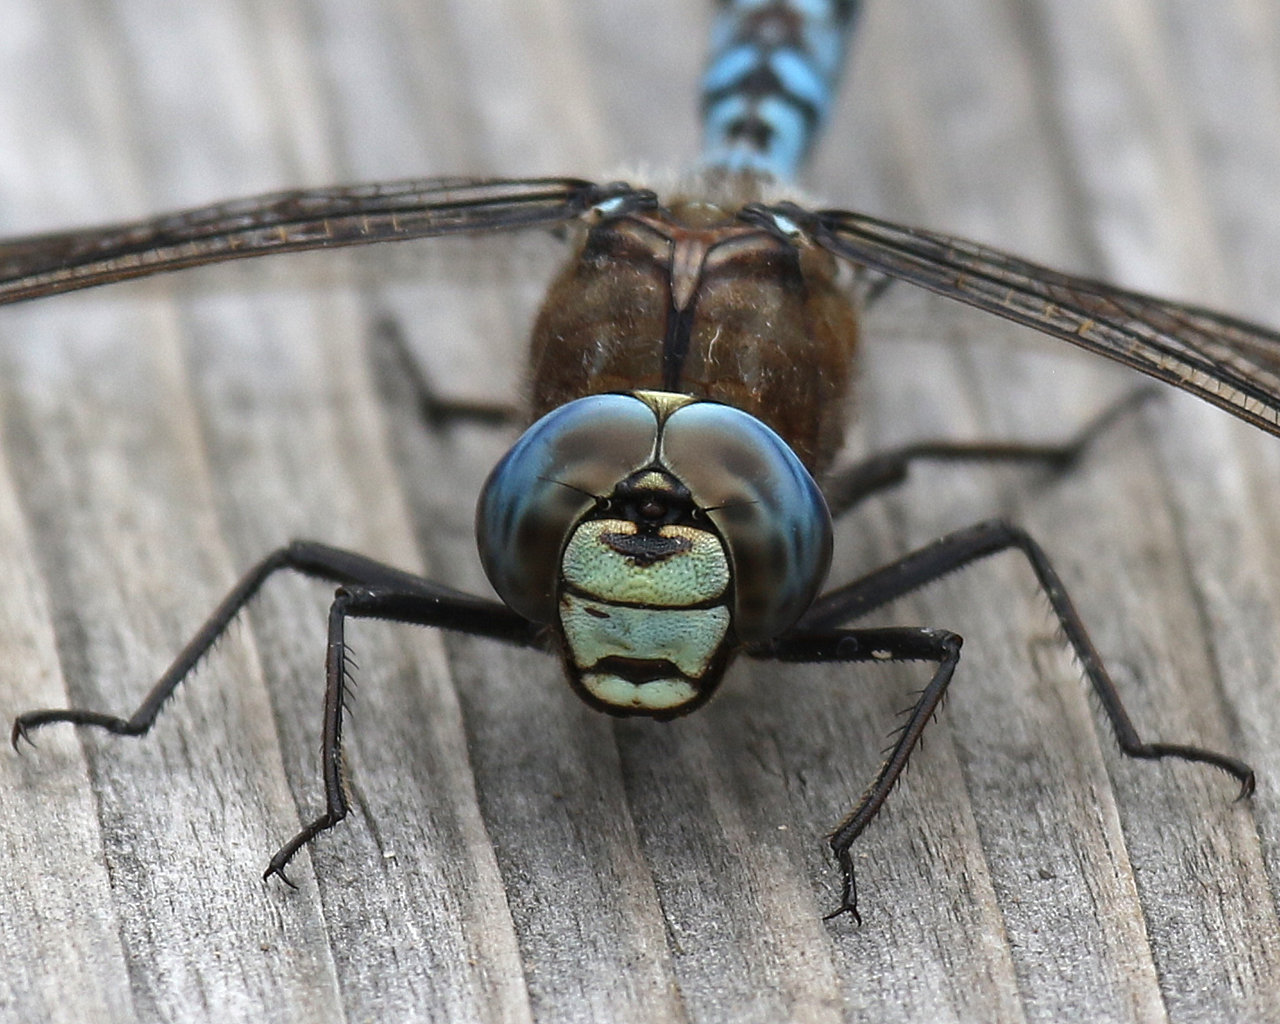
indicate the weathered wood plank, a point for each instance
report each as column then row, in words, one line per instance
column 511, row 855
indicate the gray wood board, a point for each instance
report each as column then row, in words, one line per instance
column 511, row 854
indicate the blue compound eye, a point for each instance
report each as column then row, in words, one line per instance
column 765, row 505
column 549, row 480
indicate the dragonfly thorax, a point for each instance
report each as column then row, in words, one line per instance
column 692, row 298
column 657, row 534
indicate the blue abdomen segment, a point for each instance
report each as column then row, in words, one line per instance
column 773, row 69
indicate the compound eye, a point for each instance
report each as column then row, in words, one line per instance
column 764, row 503
column 553, row 475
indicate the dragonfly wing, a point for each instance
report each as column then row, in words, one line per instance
column 1229, row 362
column 292, row 221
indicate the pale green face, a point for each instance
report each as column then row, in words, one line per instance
column 657, row 534
column 664, row 605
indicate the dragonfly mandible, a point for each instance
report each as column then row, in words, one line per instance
column 669, row 509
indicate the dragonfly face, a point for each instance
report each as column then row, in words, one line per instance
column 658, row 534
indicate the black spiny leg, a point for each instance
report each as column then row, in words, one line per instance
column 964, row 546
column 436, row 410
column 401, row 596
column 393, row 603
column 851, row 486
column 930, row 563
column 890, row 644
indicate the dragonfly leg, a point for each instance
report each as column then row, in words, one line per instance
column 377, row 590
column 412, row 605
column 872, row 287
column 880, row 645
column 849, row 487
column 981, row 541
column 456, row 611
column 436, row 410
column 930, row 563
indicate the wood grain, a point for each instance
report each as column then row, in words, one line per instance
column 512, row 855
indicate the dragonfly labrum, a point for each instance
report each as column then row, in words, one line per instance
column 669, row 508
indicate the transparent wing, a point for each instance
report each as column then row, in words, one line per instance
column 1224, row 360
column 292, row 221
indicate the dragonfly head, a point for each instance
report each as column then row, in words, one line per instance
column 658, row 534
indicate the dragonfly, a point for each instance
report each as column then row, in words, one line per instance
column 669, row 507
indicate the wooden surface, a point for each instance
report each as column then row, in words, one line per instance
column 512, row 855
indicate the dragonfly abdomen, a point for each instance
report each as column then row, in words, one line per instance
column 769, row 81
